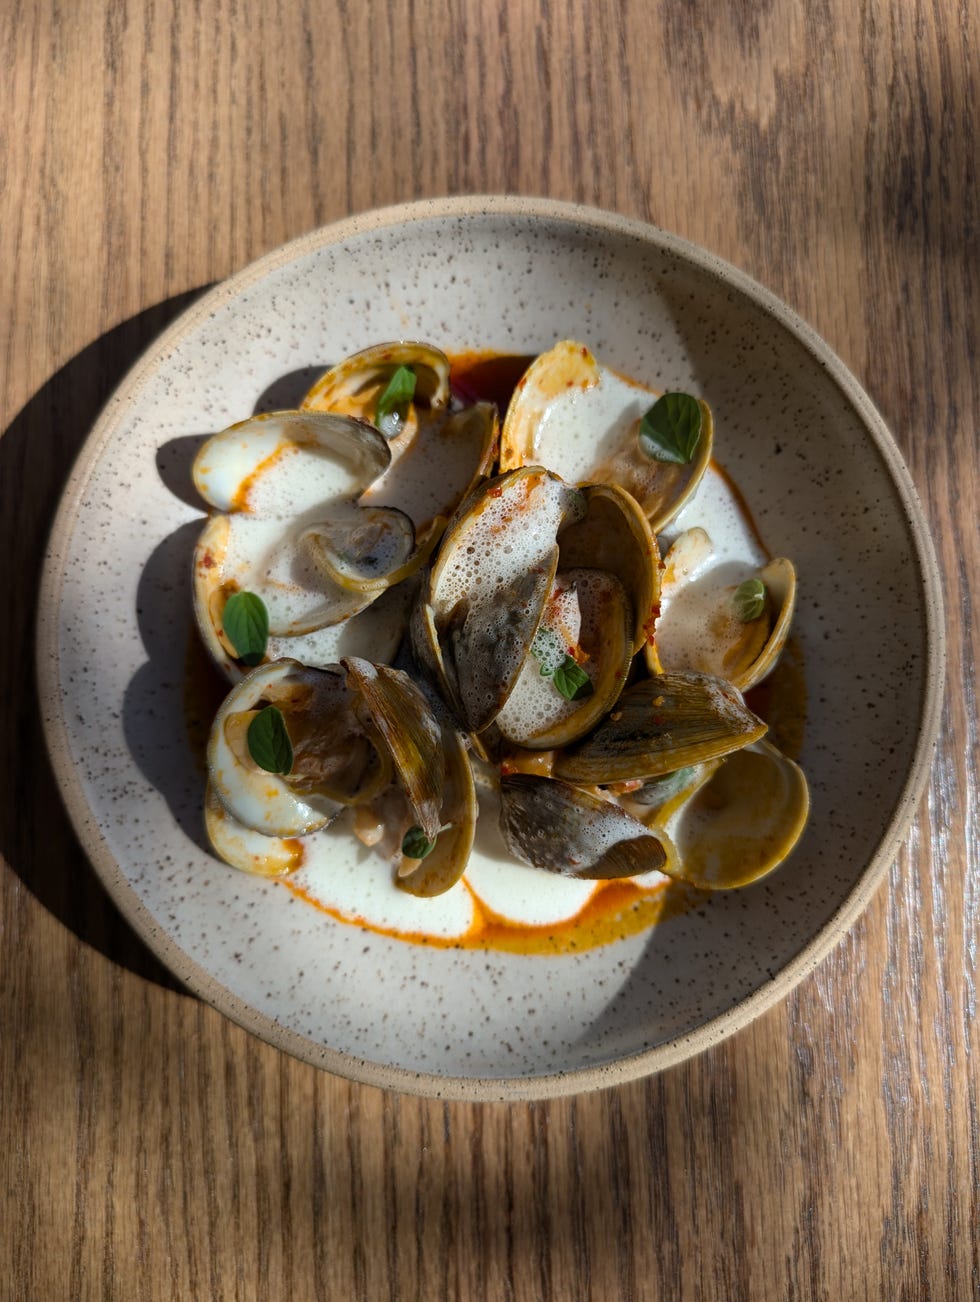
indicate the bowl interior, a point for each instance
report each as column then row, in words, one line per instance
column 826, row 489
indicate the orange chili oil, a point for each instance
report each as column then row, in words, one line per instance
column 616, row 910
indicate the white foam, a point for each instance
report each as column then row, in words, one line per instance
column 500, row 541
column 581, row 428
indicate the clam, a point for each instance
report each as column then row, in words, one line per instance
column 559, row 827
column 256, row 798
column 364, row 553
column 444, row 865
column 725, row 618
column 555, row 381
column 289, row 529
column 349, row 731
column 408, row 730
column 737, row 821
column 244, row 848
column 662, row 488
column 488, row 587
column 614, row 536
column 587, row 621
column 540, row 653
column 659, row 725
column 355, row 386
column 425, row 430
column 583, row 421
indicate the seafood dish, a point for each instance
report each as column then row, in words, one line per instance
column 489, row 657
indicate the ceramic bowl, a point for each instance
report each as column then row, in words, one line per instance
column 827, row 488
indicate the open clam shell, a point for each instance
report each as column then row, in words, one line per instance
column 434, row 430
column 615, row 536
column 739, row 821
column 244, row 848
column 488, row 587
column 561, row 828
column 552, row 382
column 662, row 488
column 407, row 728
column 267, row 802
column 281, row 464
column 355, row 385
column 661, row 724
column 582, row 420
column 702, row 625
column 281, row 482
column 351, row 729
column 444, row 865
column 367, row 555
column 588, row 613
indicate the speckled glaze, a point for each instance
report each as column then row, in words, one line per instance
column 827, row 487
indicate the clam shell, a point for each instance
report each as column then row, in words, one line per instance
column 779, row 576
column 274, row 480
column 444, row 866
column 354, row 385
column 266, row 802
column 614, row 535
column 662, row 488
column 408, row 729
column 699, row 628
column 246, row 849
column 582, row 421
column 567, row 367
column 461, row 441
column 367, row 554
column 488, row 586
column 559, row 827
column 661, row 724
column 343, row 456
column 740, row 822
column 535, row 714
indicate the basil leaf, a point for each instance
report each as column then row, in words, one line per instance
column 268, row 741
column 572, row 680
column 749, row 600
column 671, row 429
column 393, row 403
column 245, row 621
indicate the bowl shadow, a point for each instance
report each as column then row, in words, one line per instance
column 36, row 837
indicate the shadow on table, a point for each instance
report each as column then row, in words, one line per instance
column 36, row 454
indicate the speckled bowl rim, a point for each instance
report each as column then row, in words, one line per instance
column 484, row 1088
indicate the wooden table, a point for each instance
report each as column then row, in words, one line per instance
column 150, row 1148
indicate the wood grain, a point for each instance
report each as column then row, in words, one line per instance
column 151, row 1149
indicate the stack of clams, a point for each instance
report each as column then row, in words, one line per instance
column 446, row 603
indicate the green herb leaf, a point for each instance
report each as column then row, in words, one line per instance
column 671, row 429
column 415, row 843
column 246, row 624
column 572, row 680
column 268, row 741
column 750, row 600
column 393, row 403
